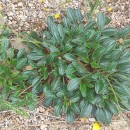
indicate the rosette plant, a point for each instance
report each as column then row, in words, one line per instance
column 82, row 68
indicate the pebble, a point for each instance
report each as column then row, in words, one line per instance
column 32, row 11
column 10, row 14
column 10, row 18
column 91, row 119
column 41, row 109
column 20, row 4
column 43, row 127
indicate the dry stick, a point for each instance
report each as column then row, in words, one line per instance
column 25, row 90
column 114, row 93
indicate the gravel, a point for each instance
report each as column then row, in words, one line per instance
column 25, row 15
column 43, row 119
column 28, row 15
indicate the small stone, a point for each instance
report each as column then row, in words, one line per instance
column 29, row 67
column 37, row 109
column 91, row 119
column 10, row 18
column 9, row 22
column 30, row 4
column 43, row 127
column 122, row 8
column 20, row 4
column 41, row 109
column 10, row 14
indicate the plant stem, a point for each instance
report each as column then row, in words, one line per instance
column 114, row 94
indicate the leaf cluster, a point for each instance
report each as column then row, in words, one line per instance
column 13, row 80
column 83, row 70
column 79, row 66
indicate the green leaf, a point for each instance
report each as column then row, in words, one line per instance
column 108, row 116
column 123, row 32
column 109, row 45
column 61, row 32
column 103, row 38
column 55, row 83
column 90, row 34
column 75, row 108
column 75, row 98
column 109, row 31
column 58, row 109
column 62, row 91
column 99, row 86
column 73, row 84
column 86, row 110
column 35, row 56
column 115, row 54
column 127, row 43
column 108, row 20
column 16, row 73
column 83, row 89
column 123, row 61
column 90, row 25
column 49, row 59
column 122, row 90
column 50, row 94
column 47, row 102
column 70, row 69
column 35, row 35
column 69, row 57
column 62, row 69
column 112, row 107
column 78, row 14
column 101, row 21
column 95, row 65
column 71, row 14
column 69, row 116
column 100, row 115
column 70, row 76
column 66, row 21
column 67, row 47
column 79, row 68
column 36, row 81
column 111, row 67
column 45, row 74
column 21, row 63
column 53, row 49
column 96, row 99
column 46, row 88
column 6, row 32
column 10, row 53
column 20, row 53
column 49, row 21
column 98, row 53
column 102, row 104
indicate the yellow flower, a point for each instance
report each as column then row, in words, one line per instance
column 56, row 16
column 41, row 1
column 96, row 126
column 109, row 9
